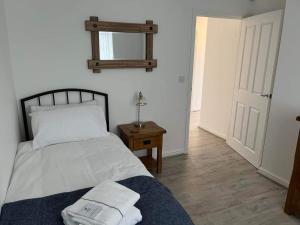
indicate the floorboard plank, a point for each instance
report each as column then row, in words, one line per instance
column 218, row 187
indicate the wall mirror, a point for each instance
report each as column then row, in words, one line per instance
column 121, row 45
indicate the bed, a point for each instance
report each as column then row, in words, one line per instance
column 44, row 182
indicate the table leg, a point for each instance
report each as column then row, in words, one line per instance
column 149, row 155
column 159, row 158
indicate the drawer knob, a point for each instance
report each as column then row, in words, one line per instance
column 147, row 142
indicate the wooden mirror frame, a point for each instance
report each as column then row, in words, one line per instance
column 96, row 64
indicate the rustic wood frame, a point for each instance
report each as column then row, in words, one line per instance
column 96, row 64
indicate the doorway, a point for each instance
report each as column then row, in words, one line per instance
column 215, row 54
column 233, row 79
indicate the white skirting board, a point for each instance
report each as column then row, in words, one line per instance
column 273, row 177
column 166, row 153
column 173, row 152
column 213, row 132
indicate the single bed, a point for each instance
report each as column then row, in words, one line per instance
column 46, row 181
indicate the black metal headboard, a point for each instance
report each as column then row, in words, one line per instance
column 82, row 97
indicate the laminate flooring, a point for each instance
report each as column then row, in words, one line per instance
column 218, row 187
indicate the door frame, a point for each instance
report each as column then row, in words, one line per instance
column 195, row 14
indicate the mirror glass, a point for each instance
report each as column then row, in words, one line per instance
column 121, row 46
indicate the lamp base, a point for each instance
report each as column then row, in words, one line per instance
column 139, row 125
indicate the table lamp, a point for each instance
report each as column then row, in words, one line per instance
column 141, row 101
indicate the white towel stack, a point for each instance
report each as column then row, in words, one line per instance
column 108, row 203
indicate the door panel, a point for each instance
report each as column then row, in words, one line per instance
column 260, row 37
column 262, row 61
column 254, row 115
column 246, row 58
column 240, row 114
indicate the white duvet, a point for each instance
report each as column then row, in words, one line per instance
column 71, row 166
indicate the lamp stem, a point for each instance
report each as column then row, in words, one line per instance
column 139, row 111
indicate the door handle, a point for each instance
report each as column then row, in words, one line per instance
column 266, row 95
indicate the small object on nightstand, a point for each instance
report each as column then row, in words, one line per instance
column 140, row 102
column 148, row 137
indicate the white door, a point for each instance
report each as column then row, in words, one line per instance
column 258, row 50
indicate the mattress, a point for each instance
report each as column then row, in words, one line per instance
column 71, row 166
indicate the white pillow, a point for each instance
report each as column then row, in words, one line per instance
column 69, row 124
column 37, row 108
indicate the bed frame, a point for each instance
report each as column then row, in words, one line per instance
column 83, row 95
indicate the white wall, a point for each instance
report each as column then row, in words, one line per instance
column 282, row 131
column 219, row 74
column 199, row 59
column 50, row 48
column 8, row 111
column 261, row 6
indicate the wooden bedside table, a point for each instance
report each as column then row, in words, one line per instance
column 148, row 137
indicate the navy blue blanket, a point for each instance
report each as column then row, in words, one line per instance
column 157, row 205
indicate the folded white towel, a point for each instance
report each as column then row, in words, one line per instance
column 132, row 217
column 108, row 203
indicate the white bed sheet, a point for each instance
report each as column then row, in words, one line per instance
column 70, row 166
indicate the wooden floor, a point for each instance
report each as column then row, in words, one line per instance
column 218, row 187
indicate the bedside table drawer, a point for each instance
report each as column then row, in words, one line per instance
column 146, row 143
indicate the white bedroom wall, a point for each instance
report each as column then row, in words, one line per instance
column 199, row 59
column 50, row 47
column 9, row 130
column 282, row 131
column 219, row 74
column 261, row 6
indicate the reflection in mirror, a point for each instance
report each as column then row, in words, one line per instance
column 121, row 46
